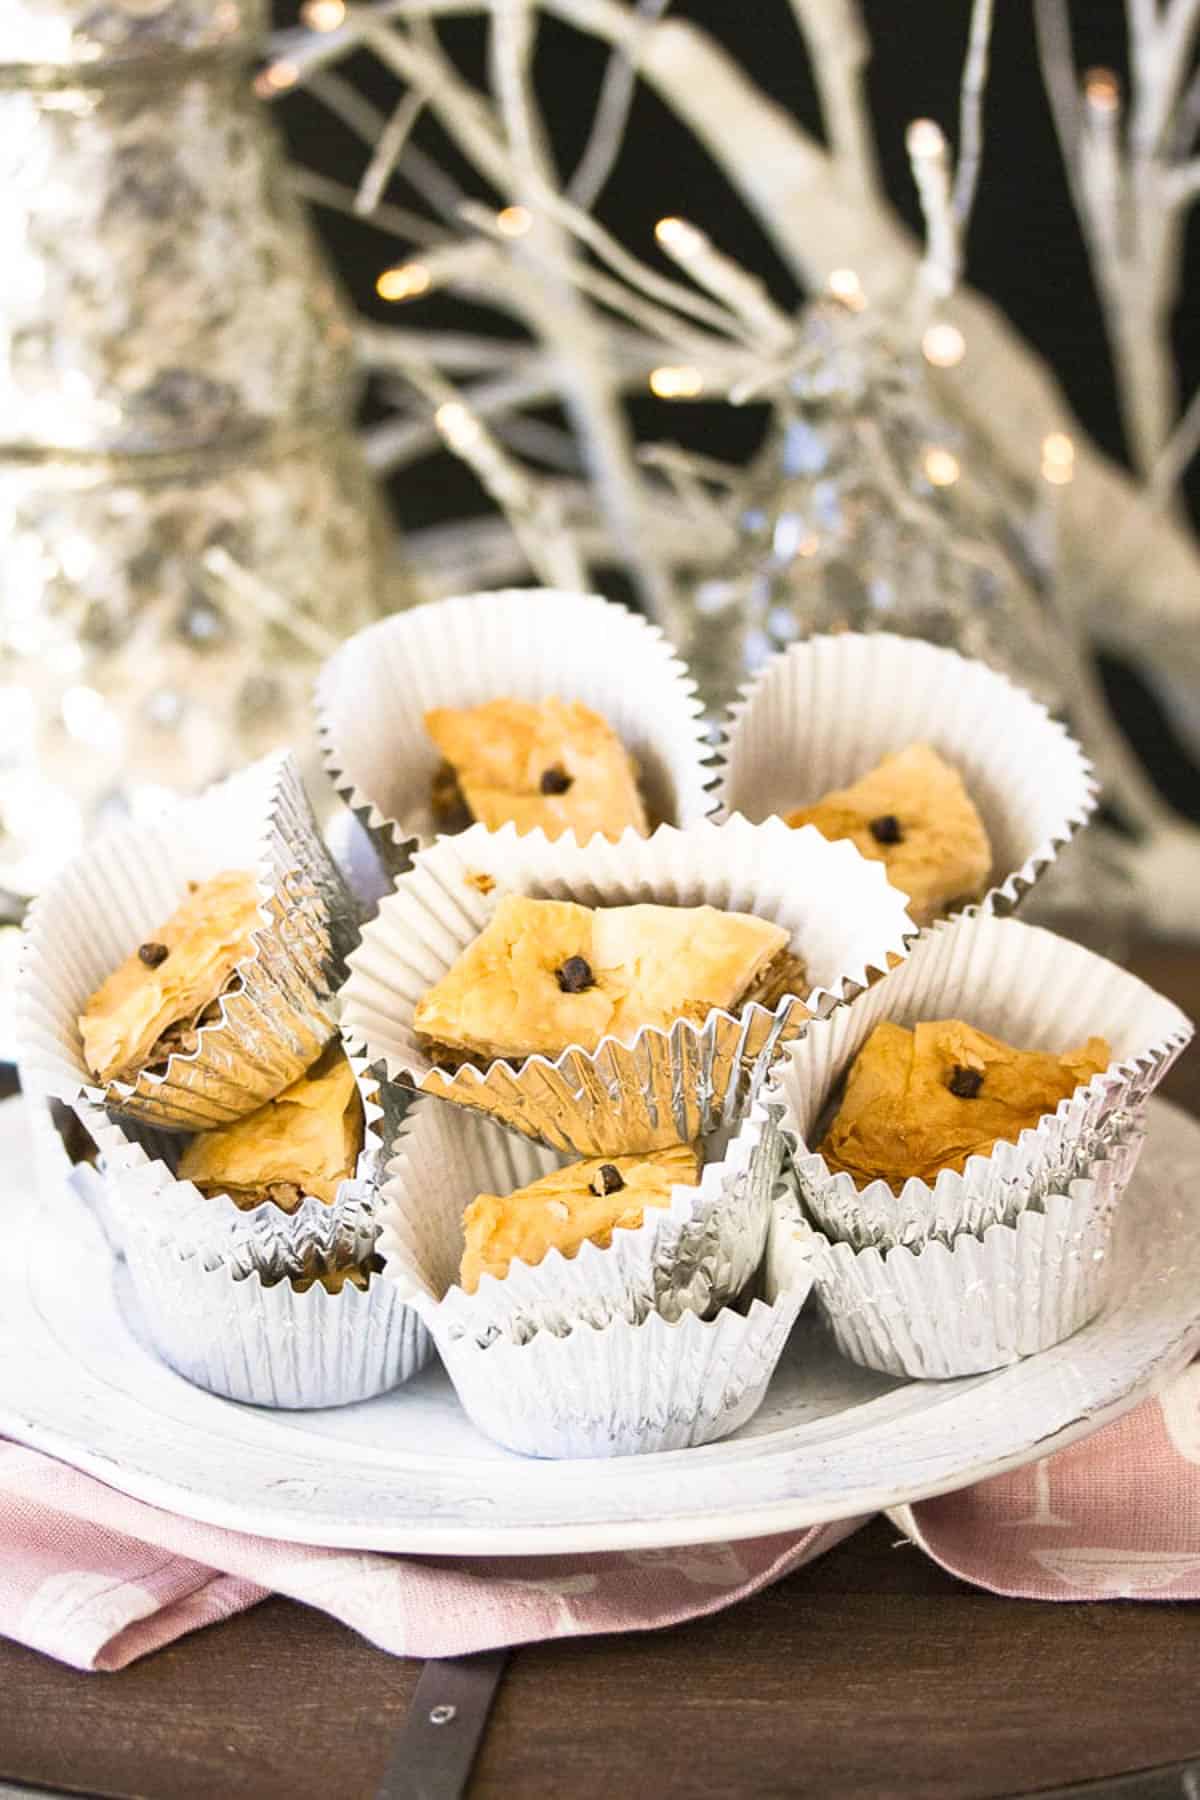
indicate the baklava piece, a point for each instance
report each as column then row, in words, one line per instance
column 554, row 764
column 153, row 1005
column 546, row 974
column 912, row 813
column 583, row 1203
column 920, row 1101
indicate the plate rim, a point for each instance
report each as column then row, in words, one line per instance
column 664, row 1530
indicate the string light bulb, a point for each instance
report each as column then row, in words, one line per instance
column 1102, row 90
column 845, row 287
column 943, row 345
column 1058, row 459
column 925, row 139
column 459, row 428
column 676, row 383
column 403, row 283
column 275, row 78
column 940, row 466
column 679, row 239
column 514, row 221
column 323, row 15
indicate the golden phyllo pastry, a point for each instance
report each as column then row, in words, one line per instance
column 151, row 1006
column 585, row 1202
column 913, row 814
column 545, row 974
column 305, row 1141
column 920, row 1101
column 552, row 763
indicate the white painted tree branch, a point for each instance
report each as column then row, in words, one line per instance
column 840, row 49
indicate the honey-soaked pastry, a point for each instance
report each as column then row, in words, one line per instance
column 152, row 1005
column 913, row 813
column 551, row 763
column 585, row 1202
column 305, row 1141
column 920, row 1101
column 544, row 974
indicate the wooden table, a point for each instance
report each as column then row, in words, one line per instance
column 869, row 1673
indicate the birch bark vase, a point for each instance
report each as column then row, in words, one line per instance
column 175, row 378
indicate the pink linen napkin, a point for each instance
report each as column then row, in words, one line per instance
column 97, row 1580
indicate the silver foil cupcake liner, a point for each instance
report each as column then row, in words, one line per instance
column 149, row 1205
column 1021, row 984
column 694, row 1255
column 663, row 1087
column 826, row 711
column 278, row 1013
column 518, row 644
column 274, row 1345
column 982, row 1303
column 624, row 1390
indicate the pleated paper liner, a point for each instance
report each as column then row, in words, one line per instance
column 981, row 1303
column 1019, row 983
column 663, row 1087
column 519, row 644
column 277, row 1015
column 624, row 1390
column 272, row 1344
column 694, row 1255
column 826, row 711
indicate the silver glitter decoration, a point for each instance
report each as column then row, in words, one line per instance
column 174, row 382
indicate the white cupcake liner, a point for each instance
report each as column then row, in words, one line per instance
column 274, row 1345
column 980, row 1304
column 625, row 1390
column 663, row 1087
column 278, row 1015
column 149, row 1205
column 521, row 644
column 1018, row 983
column 694, row 1255
column 826, row 711
column 54, row 1167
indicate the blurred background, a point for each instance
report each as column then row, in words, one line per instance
column 1025, row 250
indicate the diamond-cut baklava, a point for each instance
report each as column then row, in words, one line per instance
column 920, row 1101
column 304, row 1142
column 912, row 812
column 585, row 1202
column 551, row 763
column 545, row 974
column 152, row 1006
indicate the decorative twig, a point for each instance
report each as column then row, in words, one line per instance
column 392, row 140
column 608, row 126
column 970, row 115
column 839, row 49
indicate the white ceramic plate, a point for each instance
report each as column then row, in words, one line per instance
column 407, row 1473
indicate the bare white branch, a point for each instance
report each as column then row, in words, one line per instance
column 970, row 115
column 839, row 49
column 392, row 140
column 612, row 111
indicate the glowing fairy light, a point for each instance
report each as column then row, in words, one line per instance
column 676, row 383
column 514, row 221
column 460, row 430
column 943, row 345
column 941, row 468
column 275, row 78
column 1058, row 459
column 925, row 140
column 403, row 283
column 1102, row 90
column 323, row 15
column 845, row 286
column 679, row 239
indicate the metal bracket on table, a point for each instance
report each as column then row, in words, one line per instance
column 1171, row 1781
column 446, row 1721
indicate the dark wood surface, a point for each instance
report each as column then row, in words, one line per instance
column 869, row 1673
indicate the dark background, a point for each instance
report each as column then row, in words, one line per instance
column 1024, row 250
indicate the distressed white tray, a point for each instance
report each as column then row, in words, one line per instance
column 407, row 1473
